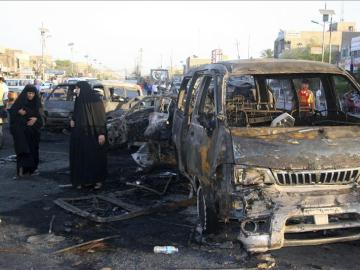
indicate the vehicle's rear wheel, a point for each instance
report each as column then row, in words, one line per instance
column 206, row 209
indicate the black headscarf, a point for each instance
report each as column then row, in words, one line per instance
column 32, row 107
column 89, row 111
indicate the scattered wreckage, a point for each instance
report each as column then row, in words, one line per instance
column 148, row 124
column 127, row 204
column 283, row 174
column 59, row 103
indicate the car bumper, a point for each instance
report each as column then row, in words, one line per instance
column 335, row 212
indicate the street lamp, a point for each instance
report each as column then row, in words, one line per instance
column 323, row 38
column 71, row 45
column 325, row 13
column 43, row 31
column 87, row 63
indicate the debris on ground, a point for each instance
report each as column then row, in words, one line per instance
column 266, row 261
column 88, row 246
column 45, row 239
column 102, row 209
column 165, row 249
column 11, row 158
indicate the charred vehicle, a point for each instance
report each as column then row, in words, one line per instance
column 284, row 174
column 59, row 103
column 147, row 118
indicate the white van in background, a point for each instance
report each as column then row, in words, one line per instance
column 17, row 85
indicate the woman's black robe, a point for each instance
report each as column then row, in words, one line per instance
column 26, row 138
column 88, row 159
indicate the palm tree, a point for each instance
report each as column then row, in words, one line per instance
column 268, row 53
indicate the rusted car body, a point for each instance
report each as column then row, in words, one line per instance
column 283, row 174
column 59, row 103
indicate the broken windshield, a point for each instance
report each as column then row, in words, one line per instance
column 297, row 99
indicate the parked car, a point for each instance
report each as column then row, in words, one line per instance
column 59, row 103
column 284, row 175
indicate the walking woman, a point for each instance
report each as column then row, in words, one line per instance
column 88, row 160
column 25, row 124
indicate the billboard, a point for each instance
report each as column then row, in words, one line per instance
column 159, row 75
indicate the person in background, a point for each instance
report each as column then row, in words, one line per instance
column 88, row 159
column 3, row 106
column 37, row 84
column 306, row 97
column 4, row 92
column 154, row 89
column 25, row 124
column 148, row 88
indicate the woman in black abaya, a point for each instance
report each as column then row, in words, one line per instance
column 25, row 124
column 88, row 160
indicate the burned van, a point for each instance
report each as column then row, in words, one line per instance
column 272, row 146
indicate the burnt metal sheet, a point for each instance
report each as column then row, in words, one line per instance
column 297, row 148
column 127, row 211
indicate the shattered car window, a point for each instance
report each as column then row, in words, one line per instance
column 282, row 93
column 259, row 101
column 348, row 96
column 182, row 94
column 145, row 103
column 163, row 105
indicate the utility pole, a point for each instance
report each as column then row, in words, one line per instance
column 330, row 40
column 249, row 47
column 43, row 31
column 140, row 61
column 171, row 64
column 325, row 14
column 71, row 45
column 237, row 49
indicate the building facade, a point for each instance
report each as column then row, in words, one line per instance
column 338, row 38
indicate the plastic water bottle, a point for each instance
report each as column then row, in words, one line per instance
column 165, row 249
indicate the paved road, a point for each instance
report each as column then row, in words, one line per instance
column 26, row 209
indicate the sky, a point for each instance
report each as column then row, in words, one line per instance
column 168, row 32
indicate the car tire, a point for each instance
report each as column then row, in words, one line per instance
column 207, row 214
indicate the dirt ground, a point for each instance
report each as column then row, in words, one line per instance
column 27, row 209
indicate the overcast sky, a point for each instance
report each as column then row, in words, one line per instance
column 113, row 32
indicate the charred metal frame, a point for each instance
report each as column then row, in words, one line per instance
column 261, row 204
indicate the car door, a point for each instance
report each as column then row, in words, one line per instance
column 109, row 104
column 178, row 118
column 202, row 127
column 60, row 100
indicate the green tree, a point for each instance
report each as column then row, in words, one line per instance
column 268, row 53
column 63, row 65
column 304, row 53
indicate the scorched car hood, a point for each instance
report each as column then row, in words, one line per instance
column 300, row 148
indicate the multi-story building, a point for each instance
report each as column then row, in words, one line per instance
column 341, row 35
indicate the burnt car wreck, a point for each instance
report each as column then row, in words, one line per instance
column 59, row 103
column 284, row 174
column 147, row 124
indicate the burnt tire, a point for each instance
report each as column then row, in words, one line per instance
column 207, row 214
